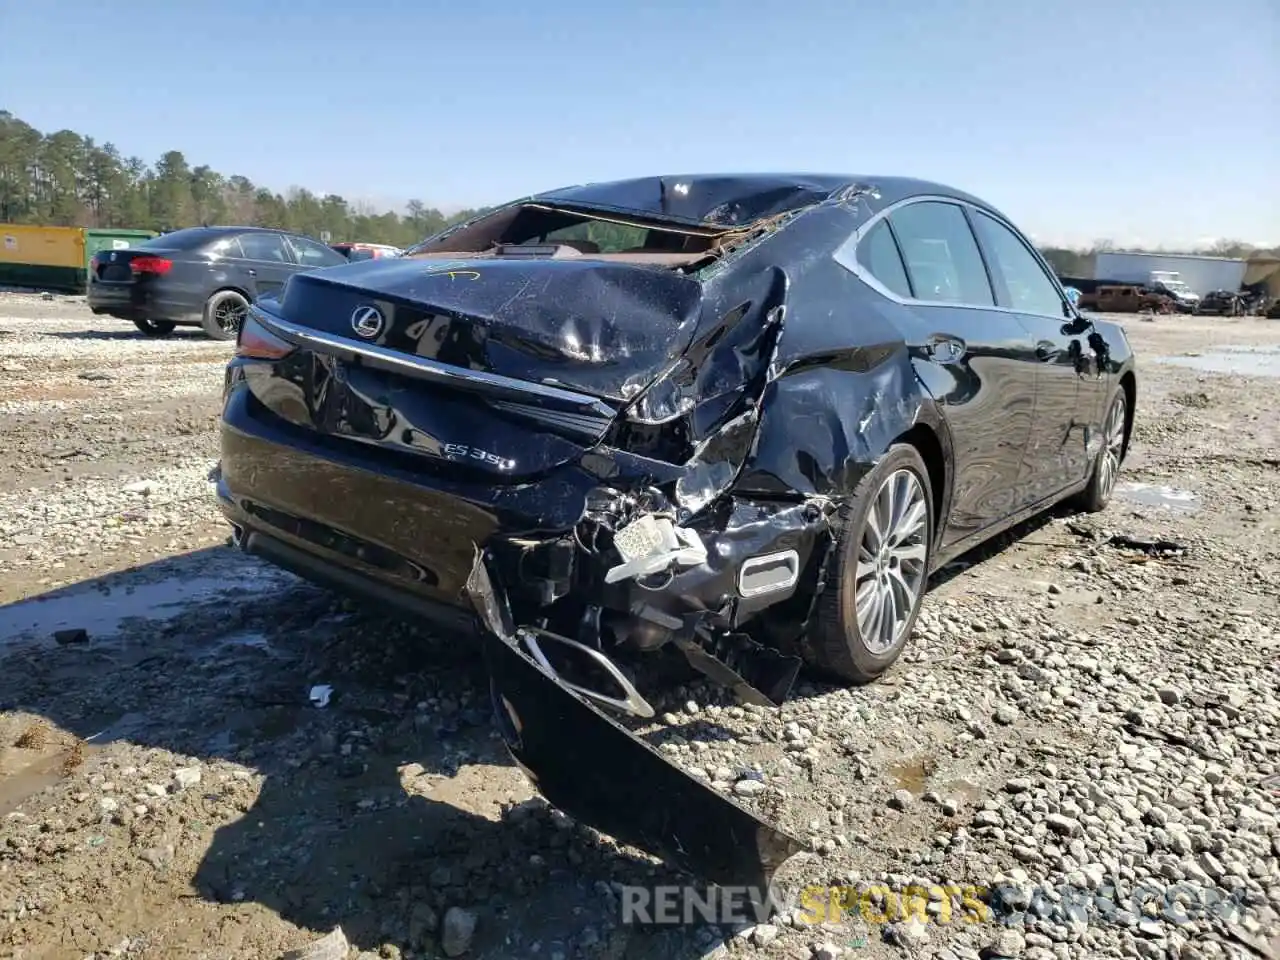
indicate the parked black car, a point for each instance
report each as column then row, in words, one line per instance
column 1223, row 303
column 741, row 418
column 199, row 277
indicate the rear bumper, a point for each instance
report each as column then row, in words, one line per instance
column 578, row 758
column 335, row 575
column 395, row 522
column 432, row 551
column 131, row 301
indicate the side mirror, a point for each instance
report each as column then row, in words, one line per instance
column 1076, row 324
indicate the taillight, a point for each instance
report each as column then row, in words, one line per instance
column 150, row 265
column 256, row 342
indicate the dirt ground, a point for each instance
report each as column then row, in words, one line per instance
column 1072, row 710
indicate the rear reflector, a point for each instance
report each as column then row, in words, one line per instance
column 256, row 342
column 150, row 265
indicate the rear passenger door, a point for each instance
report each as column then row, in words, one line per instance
column 976, row 360
column 268, row 262
column 1067, row 386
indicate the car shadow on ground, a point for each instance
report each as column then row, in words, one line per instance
column 376, row 811
column 185, row 334
column 997, row 545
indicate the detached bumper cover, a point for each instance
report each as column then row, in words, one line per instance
column 595, row 770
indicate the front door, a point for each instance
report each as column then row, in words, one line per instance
column 1067, row 383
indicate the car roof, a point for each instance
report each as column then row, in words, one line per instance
column 224, row 228
column 292, row 233
column 729, row 199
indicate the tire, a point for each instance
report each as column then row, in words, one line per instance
column 223, row 314
column 156, row 328
column 1106, row 465
column 838, row 644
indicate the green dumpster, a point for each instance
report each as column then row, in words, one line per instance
column 98, row 239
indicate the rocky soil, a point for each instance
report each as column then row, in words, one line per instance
column 1087, row 719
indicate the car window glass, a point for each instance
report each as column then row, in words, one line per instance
column 189, row 238
column 942, row 256
column 226, row 247
column 1028, row 287
column 312, row 254
column 264, row 246
column 878, row 255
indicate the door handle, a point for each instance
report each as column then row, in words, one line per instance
column 252, row 272
column 1047, row 350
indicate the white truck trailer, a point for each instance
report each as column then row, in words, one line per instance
column 1199, row 275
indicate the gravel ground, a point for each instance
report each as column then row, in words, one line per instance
column 1089, row 723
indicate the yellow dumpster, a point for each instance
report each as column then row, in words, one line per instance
column 46, row 258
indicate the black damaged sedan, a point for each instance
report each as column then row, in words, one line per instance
column 735, row 418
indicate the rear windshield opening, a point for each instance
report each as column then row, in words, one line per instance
column 588, row 233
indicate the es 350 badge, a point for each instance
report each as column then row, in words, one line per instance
column 463, row 451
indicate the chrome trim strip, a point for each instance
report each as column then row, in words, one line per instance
column 631, row 701
column 426, row 369
column 763, row 560
column 582, row 424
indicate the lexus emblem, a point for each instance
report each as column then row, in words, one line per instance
column 367, row 321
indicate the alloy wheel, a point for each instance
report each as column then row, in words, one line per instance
column 1113, row 433
column 892, row 554
column 228, row 315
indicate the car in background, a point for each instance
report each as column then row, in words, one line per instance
column 1222, row 303
column 200, row 276
column 735, row 418
column 366, row 251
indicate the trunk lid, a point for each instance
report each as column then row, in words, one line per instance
column 601, row 328
column 128, row 266
column 487, row 370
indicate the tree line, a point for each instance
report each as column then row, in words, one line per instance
column 67, row 179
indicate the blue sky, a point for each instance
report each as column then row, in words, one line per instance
column 1154, row 121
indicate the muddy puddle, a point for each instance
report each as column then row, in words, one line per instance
column 1241, row 360
column 920, row 775
column 23, row 777
column 1158, row 495
column 102, row 611
column 37, row 759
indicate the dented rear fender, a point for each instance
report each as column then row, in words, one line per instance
column 824, row 424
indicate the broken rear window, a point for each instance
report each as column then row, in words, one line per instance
column 587, row 231
column 598, row 237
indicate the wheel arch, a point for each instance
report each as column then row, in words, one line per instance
column 925, row 438
column 1129, row 384
column 228, row 288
